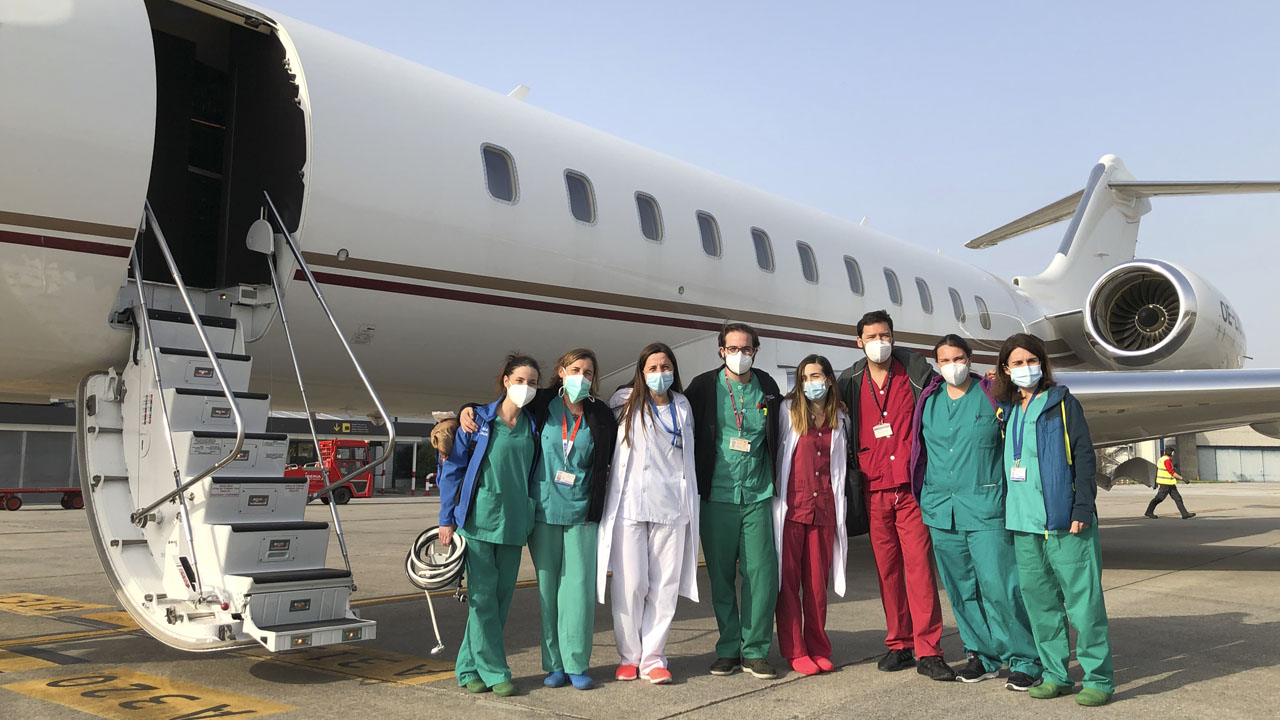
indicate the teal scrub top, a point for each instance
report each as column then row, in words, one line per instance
column 964, row 479
column 556, row 503
column 502, row 512
column 741, row 478
column 1024, row 506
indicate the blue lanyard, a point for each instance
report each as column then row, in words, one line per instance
column 675, row 431
column 1020, row 429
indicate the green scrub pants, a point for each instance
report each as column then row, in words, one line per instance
column 979, row 571
column 564, row 557
column 739, row 539
column 491, row 581
column 1061, row 579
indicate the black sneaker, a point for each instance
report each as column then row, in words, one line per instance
column 975, row 671
column 1151, row 515
column 725, row 666
column 896, row 660
column 759, row 667
column 934, row 668
column 1021, row 682
column 1188, row 516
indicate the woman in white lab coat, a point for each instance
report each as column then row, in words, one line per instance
column 649, row 531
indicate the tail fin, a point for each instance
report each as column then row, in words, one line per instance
column 1103, row 231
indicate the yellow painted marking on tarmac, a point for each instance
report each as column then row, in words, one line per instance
column 118, row 617
column 377, row 665
column 120, row 694
column 13, row 662
column 31, row 604
column 62, row 637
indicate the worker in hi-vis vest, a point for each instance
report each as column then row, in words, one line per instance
column 1167, row 484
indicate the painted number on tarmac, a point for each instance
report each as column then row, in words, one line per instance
column 121, row 694
column 14, row 662
column 376, row 665
column 30, row 604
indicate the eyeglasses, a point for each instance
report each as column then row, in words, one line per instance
column 744, row 349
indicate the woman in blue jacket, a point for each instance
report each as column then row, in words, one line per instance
column 484, row 496
column 1050, row 469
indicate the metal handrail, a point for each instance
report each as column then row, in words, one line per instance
column 311, row 419
column 368, row 386
column 139, row 517
column 145, row 328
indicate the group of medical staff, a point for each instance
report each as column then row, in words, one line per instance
column 991, row 477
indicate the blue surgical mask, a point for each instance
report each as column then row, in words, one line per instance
column 815, row 389
column 576, row 387
column 659, row 382
column 1027, row 376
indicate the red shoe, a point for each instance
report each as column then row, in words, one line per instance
column 824, row 664
column 804, row 665
column 658, row 676
column 626, row 672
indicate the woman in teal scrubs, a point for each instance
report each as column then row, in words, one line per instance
column 1051, row 472
column 484, row 496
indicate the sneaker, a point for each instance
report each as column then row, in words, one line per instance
column 626, row 672
column 556, row 679
column 896, row 660
column 1046, row 690
column 974, row 671
column 581, row 681
column 760, row 668
column 725, row 666
column 1092, row 697
column 1153, row 516
column 805, row 665
column 1020, row 682
column 658, row 676
column 824, row 664
column 505, row 688
column 934, row 668
column 1188, row 516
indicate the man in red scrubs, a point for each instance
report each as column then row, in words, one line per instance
column 880, row 393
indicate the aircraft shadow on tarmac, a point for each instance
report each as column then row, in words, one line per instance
column 1197, row 543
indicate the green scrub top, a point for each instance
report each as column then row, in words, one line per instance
column 502, row 512
column 741, row 478
column 964, row 479
column 556, row 503
column 1024, row 506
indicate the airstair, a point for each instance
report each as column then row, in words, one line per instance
column 202, row 537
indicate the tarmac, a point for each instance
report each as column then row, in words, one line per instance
column 1194, row 608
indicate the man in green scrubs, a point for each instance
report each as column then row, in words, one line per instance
column 734, row 412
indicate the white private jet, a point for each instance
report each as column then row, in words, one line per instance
column 172, row 169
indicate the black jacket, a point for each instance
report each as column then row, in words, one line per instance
column 920, row 373
column 702, row 397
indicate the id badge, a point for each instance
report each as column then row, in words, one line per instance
column 1018, row 474
column 883, row 430
column 740, row 444
column 566, row 478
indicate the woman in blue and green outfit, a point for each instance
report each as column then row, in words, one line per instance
column 1051, row 470
column 575, row 448
column 484, row 496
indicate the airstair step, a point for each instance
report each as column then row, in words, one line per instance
column 231, row 357
column 278, row 527
column 295, row 576
column 206, row 392
column 295, row 636
column 229, row 435
column 175, row 316
column 250, row 480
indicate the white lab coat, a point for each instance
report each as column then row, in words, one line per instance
column 623, row 456
column 839, row 459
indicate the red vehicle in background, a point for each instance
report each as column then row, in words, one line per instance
column 339, row 457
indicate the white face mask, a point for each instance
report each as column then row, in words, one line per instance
column 878, row 350
column 738, row 363
column 955, row 373
column 520, row 395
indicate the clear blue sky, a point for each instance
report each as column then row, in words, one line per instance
column 939, row 121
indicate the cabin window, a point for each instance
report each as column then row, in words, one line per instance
column 984, row 316
column 808, row 263
column 895, row 290
column 710, row 231
column 582, row 199
column 764, row 249
column 926, row 297
column 957, row 304
column 855, row 275
column 499, row 173
column 650, row 217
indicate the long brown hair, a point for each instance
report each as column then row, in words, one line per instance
column 636, row 403
column 1005, row 387
column 572, row 357
column 801, row 406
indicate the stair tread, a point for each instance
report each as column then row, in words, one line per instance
column 233, row 357
column 314, row 624
column 229, row 435
column 278, row 526
column 185, row 317
column 206, row 392
column 256, row 480
column 285, row 576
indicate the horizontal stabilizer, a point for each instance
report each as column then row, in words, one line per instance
column 1044, row 217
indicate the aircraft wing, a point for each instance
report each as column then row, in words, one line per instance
column 1129, row 406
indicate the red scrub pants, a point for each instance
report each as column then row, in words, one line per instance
column 802, row 596
column 902, row 549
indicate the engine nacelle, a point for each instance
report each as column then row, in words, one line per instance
column 1154, row 315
